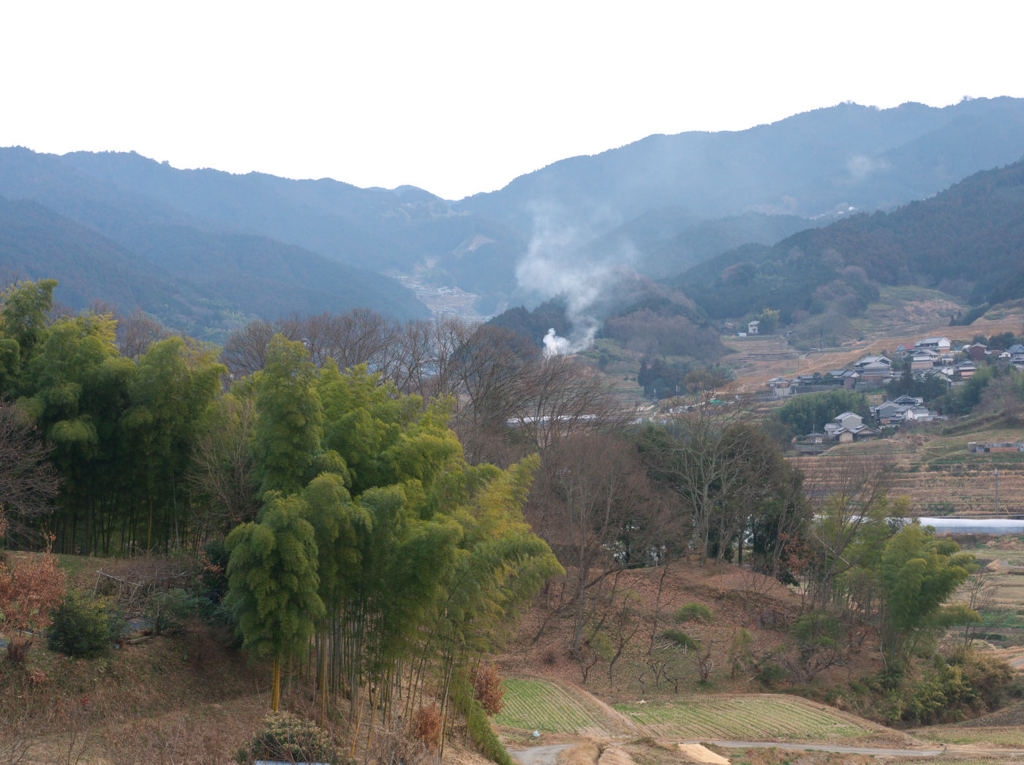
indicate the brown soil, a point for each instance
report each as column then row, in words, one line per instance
column 738, row 599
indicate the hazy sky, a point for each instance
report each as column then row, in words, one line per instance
column 460, row 97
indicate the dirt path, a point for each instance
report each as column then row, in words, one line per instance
column 538, row 755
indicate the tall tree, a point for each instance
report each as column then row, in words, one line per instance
column 272, row 573
column 28, row 481
column 289, row 421
column 25, row 316
column 917, row 574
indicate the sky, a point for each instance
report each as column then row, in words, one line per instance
column 462, row 97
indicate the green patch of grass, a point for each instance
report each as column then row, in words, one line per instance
column 743, row 717
column 1009, row 736
column 539, row 705
column 1002, row 626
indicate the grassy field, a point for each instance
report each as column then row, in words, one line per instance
column 539, row 705
column 1001, row 599
column 747, row 717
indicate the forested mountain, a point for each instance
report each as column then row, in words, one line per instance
column 808, row 164
column 967, row 241
column 37, row 243
column 104, row 242
column 656, row 206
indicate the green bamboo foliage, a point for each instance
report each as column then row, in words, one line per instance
column 272, row 573
column 289, row 424
column 377, row 545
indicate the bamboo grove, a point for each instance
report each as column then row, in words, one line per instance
column 362, row 543
column 377, row 543
column 121, row 431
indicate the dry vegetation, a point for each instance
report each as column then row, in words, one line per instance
column 758, row 359
column 933, row 469
column 738, row 599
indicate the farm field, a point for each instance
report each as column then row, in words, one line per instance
column 1000, row 601
column 759, row 717
column 933, row 469
column 531, row 704
column 1004, row 728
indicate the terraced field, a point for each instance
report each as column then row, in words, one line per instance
column 531, row 704
column 760, row 717
column 936, row 473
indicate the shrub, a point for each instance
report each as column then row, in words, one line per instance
column 478, row 727
column 964, row 685
column 770, row 674
column 286, row 737
column 84, row 626
column 488, row 689
column 426, row 725
column 28, row 593
column 681, row 639
column 169, row 610
column 692, row 612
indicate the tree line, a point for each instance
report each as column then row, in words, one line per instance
column 391, row 494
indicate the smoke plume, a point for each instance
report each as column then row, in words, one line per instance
column 559, row 263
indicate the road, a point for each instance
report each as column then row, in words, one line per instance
column 538, row 755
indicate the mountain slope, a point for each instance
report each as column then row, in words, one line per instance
column 967, row 241
column 241, row 273
column 191, row 280
column 655, row 206
column 37, row 243
column 807, row 164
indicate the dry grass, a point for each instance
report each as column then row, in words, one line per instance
column 904, row 319
column 932, row 468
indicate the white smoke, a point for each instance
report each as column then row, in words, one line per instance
column 557, row 264
column 860, row 167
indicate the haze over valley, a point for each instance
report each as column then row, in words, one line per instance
column 209, row 250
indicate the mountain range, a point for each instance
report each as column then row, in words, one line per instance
column 203, row 250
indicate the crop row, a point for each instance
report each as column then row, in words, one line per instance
column 539, row 705
column 764, row 718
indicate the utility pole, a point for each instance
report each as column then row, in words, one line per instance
column 996, row 472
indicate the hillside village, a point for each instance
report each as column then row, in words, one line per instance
column 930, row 360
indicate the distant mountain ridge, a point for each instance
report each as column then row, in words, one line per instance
column 657, row 206
column 220, row 276
column 804, row 165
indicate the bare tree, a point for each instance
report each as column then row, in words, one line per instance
column 559, row 396
column 245, row 351
column 28, row 481
column 136, row 333
column 223, row 468
column 855, row 501
column 593, row 504
column 489, row 366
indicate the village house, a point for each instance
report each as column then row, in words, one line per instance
column 846, row 427
column 923, row 359
column 753, row 326
column 938, row 345
column 874, row 370
column 903, row 410
column 966, row 369
column 781, row 387
column 975, row 351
